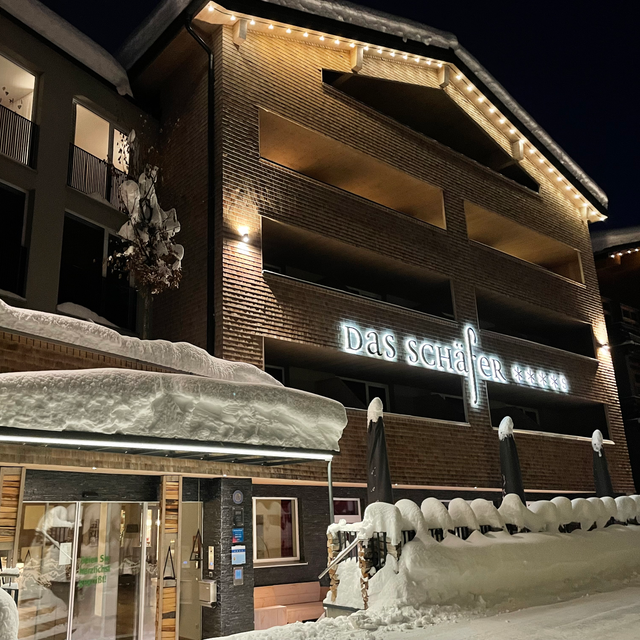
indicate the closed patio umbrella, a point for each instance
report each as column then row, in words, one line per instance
column 379, row 478
column 601, row 477
column 509, row 461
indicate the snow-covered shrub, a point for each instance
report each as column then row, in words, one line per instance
column 584, row 513
column 626, row 508
column 548, row 512
column 462, row 514
column 565, row 510
column 383, row 517
column 412, row 517
column 486, row 514
column 602, row 513
column 436, row 515
column 611, row 506
column 512, row 511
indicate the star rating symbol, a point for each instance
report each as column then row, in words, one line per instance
column 555, row 383
column 531, row 377
column 543, row 378
column 518, row 374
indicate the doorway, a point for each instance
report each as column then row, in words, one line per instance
column 90, row 570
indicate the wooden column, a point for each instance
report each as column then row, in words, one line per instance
column 11, row 490
column 168, row 600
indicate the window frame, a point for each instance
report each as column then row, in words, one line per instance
column 12, row 59
column 349, row 519
column 295, row 523
column 369, row 383
column 112, row 128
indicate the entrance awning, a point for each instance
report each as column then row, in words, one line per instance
column 164, row 447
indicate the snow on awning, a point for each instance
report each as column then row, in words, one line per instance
column 117, row 403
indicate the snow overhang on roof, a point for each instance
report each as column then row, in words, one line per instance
column 616, row 240
column 66, row 37
column 350, row 24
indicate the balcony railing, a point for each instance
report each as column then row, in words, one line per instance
column 17, row 137
column 95, row 177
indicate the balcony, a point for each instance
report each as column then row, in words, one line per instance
column 95, row 177
column 17, row 137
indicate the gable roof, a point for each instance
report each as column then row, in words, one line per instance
column 347, row 19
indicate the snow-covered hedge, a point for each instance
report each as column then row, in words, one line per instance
column 424, row 571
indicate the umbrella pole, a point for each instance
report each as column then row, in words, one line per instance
column 330, row 487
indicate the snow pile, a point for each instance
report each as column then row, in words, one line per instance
column 512, row 510
column 412, row 518
column 626, row 508
column 78, row 311
column 8, row 617
column 548, row 514
column 165, row 405
column 66, row 37
column 600, row 511
column 179, row 356
column 462, row 514
column 565, row 510
column 487, row 514
column 436, row 515
column 497, row 565
column 381, row 516
column 611, row 506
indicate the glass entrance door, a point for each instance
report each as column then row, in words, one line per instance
column 90, row 571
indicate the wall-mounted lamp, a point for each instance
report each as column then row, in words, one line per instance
column 605, row 348
column 244, row 233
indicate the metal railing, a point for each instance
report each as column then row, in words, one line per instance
column 95, row 177
column 17, row 136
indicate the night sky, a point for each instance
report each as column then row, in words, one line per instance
column 570, row 64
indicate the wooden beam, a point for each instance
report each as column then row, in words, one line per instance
column 357, row 58
column 444, row 77
column 240, row 31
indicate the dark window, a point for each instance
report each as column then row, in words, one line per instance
column 276, row 372
column 14, row 253
column 85, row 278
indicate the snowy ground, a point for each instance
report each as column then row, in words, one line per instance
column 606, row 615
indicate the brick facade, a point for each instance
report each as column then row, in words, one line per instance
column 284, row 76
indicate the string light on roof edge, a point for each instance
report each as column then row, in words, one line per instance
column 232, row 18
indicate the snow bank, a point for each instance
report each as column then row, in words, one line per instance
column 497, row 565
column 611, row 506
column 547, row 512
column 412, row 518
column 462, row 514
column 487, row 514
column 601, row 512
column 66, row 37
column 165, row 405
column 436, row 515
column 8, row 617
column 78, row 311
column 583, row 512
column 381, row 516
column 179, row 356
column 512, row 510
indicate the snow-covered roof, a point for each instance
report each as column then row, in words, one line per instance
column 610, row 238
column 63, row 35
column 384, row 23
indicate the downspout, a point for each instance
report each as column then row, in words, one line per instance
column 211, row 318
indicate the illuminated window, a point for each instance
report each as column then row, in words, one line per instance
column 17, row 86
column 275, row 528
column 100, row 138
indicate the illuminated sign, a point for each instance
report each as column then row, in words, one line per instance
column 460, row 358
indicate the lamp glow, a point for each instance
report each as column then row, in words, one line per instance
column 270, row 26
column 321, row 38
column 252, row 22
column 288, row 30
column 502, row 121
column 337, row 41
column 232, row 18
column 305, row 34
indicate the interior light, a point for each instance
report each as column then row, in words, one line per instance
column 270, row 26
column 305, row 34
column 288, row 30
